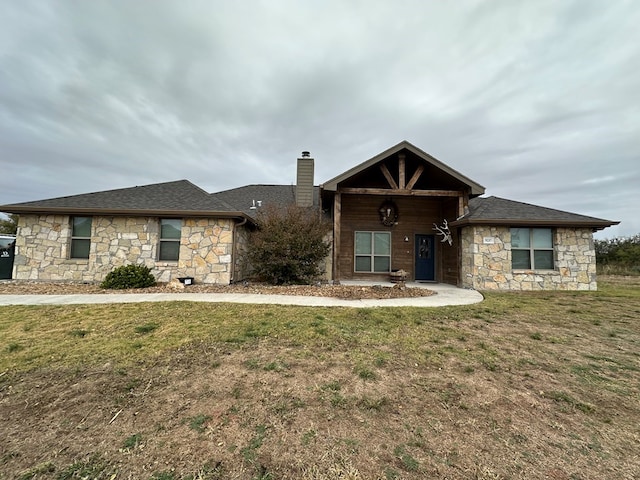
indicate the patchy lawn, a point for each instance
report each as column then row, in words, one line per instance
column 539, row 385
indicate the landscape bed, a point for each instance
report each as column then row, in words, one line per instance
column 536, row 385
column 348, row 292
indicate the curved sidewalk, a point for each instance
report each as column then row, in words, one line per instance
column 444, row 295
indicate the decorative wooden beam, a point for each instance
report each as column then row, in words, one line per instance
column 405, row 192
column 415, row 177
column 401, row 171
column 387, row 175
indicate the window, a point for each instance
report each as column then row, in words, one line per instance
column 532, row 248
column 170, row 230
column 373, row 252
column 80, row 237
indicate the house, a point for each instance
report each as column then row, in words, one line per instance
column 402, row 210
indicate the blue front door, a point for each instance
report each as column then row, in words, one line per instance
column 425, row 257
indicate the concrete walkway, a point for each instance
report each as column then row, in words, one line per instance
column 445, row 295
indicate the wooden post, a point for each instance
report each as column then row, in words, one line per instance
column 337, row 210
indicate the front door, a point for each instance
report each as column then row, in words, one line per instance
column 425, row 257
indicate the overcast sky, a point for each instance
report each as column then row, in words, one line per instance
column 539, row 101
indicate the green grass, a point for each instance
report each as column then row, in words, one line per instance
column 198, row 422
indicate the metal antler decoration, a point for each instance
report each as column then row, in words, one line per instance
column 444, row 231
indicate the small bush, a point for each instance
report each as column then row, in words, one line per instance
column 129, row 276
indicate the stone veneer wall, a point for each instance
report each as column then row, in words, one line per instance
column 487, row 266
column 241, row 269
column 43, row 242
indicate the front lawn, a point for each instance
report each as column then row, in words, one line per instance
column 523, row 385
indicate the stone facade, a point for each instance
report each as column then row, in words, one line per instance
column 43, row 244
column 486, row 261
column 206, row 251
column 212, row 251
column 241, row 268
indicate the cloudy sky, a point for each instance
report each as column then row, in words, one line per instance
column 537, row 100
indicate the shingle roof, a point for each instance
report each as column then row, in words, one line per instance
column 167, row 198
column 500, row 211
column 243, row 198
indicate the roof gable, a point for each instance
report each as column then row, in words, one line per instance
column 436, row 172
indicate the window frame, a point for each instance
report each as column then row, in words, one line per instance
column 75, row 239
column 372, row 256
column 167, row 240
column 532, row 249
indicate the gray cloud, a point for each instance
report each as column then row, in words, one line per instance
column 538, row 102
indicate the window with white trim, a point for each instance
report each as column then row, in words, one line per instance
column 80, row 237
column 170, row 232
column 372, row 252
column 532, row 248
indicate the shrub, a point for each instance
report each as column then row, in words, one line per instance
column 129, row 276
column 618, row 255
column 288, row 245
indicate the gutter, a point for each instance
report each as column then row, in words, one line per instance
column 596, row 225
column 123, row 212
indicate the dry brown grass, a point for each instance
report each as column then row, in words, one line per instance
column 532, row 385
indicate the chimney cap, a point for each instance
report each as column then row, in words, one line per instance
column 306, row 154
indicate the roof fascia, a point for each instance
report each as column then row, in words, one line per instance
column 598, row 225
column 122, row 212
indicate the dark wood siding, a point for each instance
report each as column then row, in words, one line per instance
column 416, row 216
column 450, row 254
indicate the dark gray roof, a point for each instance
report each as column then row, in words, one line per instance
column 500, row 211
column 243, row 198
column 170, row 198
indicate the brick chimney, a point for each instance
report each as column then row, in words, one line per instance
column 304, row 181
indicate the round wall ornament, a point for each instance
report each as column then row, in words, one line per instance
column 388, row 213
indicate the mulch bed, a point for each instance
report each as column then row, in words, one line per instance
column 353, row 292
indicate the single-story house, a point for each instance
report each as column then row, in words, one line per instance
column 400, row 211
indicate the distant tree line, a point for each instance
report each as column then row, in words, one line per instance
column 618, row 256
column 9, row 226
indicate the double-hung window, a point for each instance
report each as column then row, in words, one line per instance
column 80, row 237
column 532, row 248
column 170, row 231
column 373, row 252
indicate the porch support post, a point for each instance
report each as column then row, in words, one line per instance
column 463, row 203
column 337, row 212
